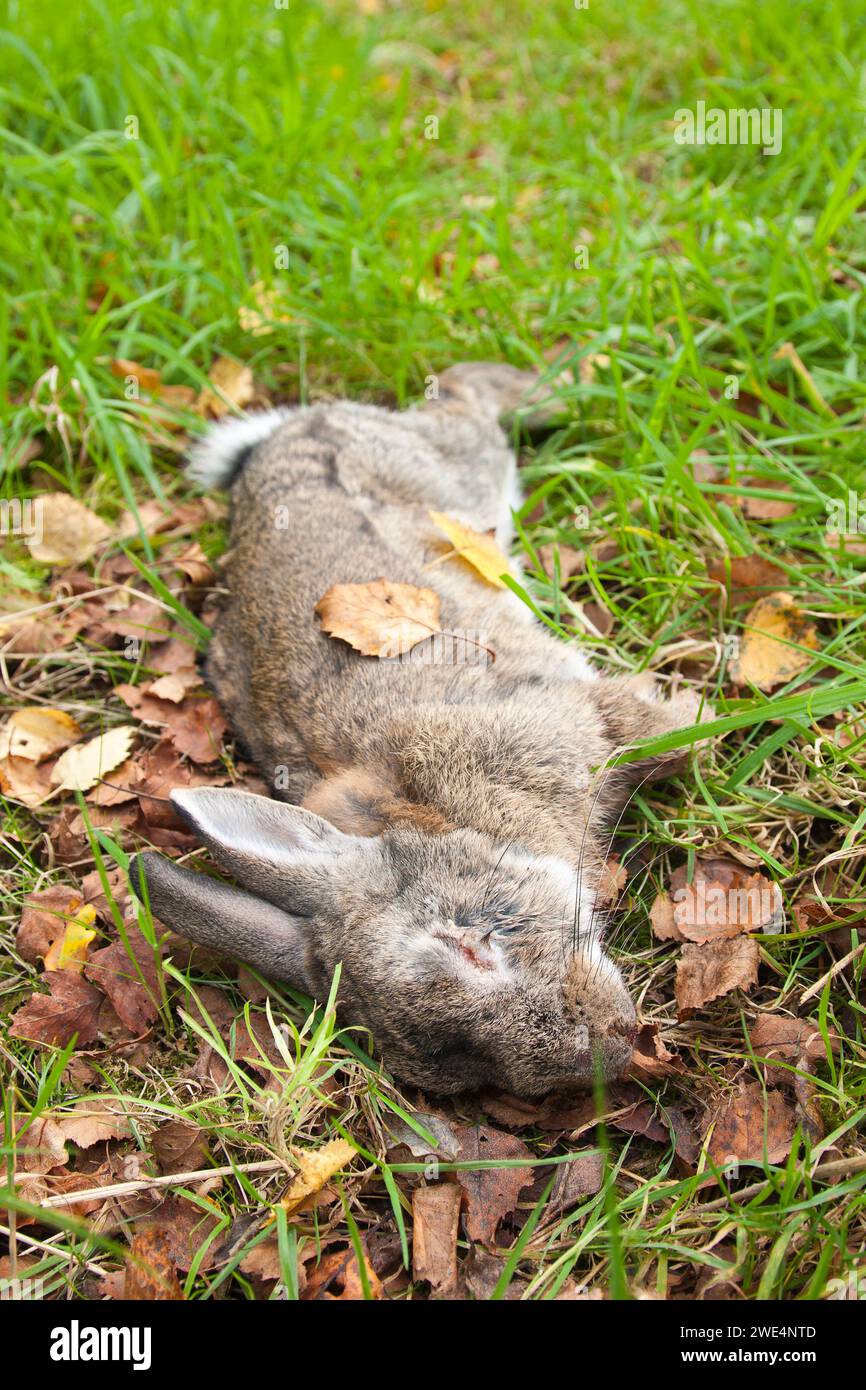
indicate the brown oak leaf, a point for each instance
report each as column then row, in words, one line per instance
column 70, row 1008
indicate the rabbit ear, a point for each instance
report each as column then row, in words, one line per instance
column 261, row 842
column 230, row 921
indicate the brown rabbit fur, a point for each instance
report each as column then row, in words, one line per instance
column 452, row 835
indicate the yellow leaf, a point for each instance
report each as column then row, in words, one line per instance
column 478, row 548
column 765, row 660
column 69, row 951
column 260, row 321
column 36, row 733
column 380, row 618
column 81, row 767
column 315, row 1168
column 587, row 366
column 67, row 532
column 232, row 385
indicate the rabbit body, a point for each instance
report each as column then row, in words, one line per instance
column 452, row 829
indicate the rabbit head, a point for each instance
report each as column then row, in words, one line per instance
column 471, row 963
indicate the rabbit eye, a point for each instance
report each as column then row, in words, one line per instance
column 506, row 929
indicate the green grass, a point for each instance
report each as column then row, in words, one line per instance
column 288, row 147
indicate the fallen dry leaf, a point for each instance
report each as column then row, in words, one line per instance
column 159, row 772
column 632, row 1114
column 795, row 1042
column 71, row 1007
column 174, row 686
column 722, row 900
column 844, row 542
column 23, row 633
column 402, row 1136
column 62, row 1184
column 614, row 877
column 746, row 577
column 151, row 1273
column 69, row 951
column 198, row 730
column 380, row 618
column 39, row 1145
column 599, row 618
column 161, row 518
column 477, row 548
column 69, row 532
column 44, row 918
column 231, row 384
column 93, row 1121
column 25, row 781
column 580, row 1177
column 709, row 971
column 480, row 1272
column 195, row 565
column 751, row 1128
column 261, row 320
column 687, row 1145
column 121, row 788
column 704, row 468
column 39, row 1155
column 37, row 733
column 180, row 1147
column 253, row 1042
column 263, row 1262
column 129, row 978
column 651, row 1058
column 489, row 1194
column 195, row 725
column 166, row 412
column 187, row 1228
column 147, row 378
column 763, row 508
column 118, row 890
column 808, row 1111
column 662, row 917
column 571, row 561
column 764, row 660
column 80, row 768
column 552, row 1114
column 315, row 1168
column 435, row 1217
column 337, row 1276
column 125, row 616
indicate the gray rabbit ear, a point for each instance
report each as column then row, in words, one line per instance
column 226, row 919
column 261, row 842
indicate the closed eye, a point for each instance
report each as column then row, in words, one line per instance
column 512, row 924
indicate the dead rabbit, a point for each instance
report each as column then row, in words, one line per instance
column 441, row 825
